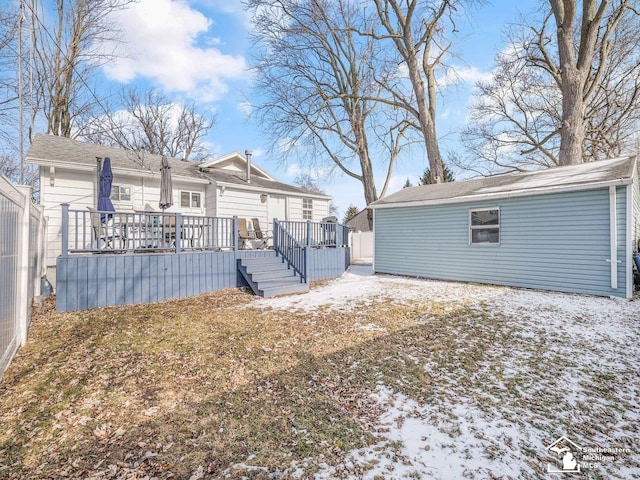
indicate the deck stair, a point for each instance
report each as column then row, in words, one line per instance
column 271, row 276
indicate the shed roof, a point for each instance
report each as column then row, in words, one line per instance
column 574, row 177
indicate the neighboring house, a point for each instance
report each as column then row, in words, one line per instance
column 570, row 229
column 218, row 188
column 359, row 222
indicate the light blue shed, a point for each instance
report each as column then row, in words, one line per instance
column 570, row 229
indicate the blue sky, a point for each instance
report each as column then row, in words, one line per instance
column 199, row 50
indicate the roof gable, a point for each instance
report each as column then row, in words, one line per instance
column 236, row 163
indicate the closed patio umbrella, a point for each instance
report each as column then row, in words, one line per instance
column 104, row 200
column 166, row 189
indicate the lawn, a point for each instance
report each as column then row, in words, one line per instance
column 364, row 377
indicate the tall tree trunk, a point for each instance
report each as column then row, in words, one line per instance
column 573, row 123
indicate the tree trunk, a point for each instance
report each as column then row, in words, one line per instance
column 573, row 125
column 427, row 122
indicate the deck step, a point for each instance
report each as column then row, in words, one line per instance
column 290, row 289
column 270, row 276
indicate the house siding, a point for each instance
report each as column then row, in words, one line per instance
column 242, row 203
column 553, row 242
column 78, row 190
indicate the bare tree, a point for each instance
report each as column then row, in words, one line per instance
column 584, row 34
column 66, row 52
column 518, row 119
column 149, row 122
column 416, row 28
column 317, row 76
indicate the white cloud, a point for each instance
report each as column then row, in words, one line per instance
column 457, row 74
column 161, row 43
column 246, row 108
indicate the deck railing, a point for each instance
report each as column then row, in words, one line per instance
column 294, row 253
column 318, row 234
column 91, row 231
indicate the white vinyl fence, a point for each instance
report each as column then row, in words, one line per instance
column 22, row 265
column 361, row 244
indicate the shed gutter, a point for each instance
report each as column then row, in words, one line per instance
column 499, row 195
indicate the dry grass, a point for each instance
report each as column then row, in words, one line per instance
column 211, row 387
column 192, row 387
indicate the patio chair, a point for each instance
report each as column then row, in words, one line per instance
column 243, row 233
column 105, row 233
column 258, row 232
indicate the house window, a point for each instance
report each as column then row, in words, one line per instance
column 484, row 226
column 190, row 200
column 307, row 209
column 121, row 193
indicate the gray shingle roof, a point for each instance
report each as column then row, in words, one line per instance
column 238, row 178
column 359, row 222
column 576, row 176
column 54, row 148
column 60, row 149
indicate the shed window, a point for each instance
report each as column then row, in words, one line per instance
column 190, row 200
column 307, row 209
column 121, row 193
column 484, row 226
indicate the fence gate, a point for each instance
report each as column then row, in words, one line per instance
column 361, row 245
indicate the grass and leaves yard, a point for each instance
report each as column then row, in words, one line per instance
column 364, row 377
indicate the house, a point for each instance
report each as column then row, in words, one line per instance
column 228, row 186
column 569, row 229
column 359, row 222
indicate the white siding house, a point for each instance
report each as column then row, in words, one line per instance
column 219, row 188
column 570, row 229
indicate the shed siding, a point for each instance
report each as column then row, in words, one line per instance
column 553, row 242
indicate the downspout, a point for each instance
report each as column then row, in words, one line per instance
column 629, row 235
column 613, row 236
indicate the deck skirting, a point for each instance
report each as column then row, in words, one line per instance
column 89, row 281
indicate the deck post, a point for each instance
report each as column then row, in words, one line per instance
column 308, row 242
column 65, row 230
column 178, row 232
column 235, row 233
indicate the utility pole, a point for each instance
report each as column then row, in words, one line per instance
column 20, row 93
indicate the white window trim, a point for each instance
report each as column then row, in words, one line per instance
column 309, row 210
column 118, row 186
column 191, row 192
column 484, row 227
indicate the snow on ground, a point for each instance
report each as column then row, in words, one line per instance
column 358, row 286
column 557, row 364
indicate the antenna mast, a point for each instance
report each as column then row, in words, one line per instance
column 20, row 93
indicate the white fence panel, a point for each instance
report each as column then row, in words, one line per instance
column 361, row 245
column 22, row 248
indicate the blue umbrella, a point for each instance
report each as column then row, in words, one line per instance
column 104, row 200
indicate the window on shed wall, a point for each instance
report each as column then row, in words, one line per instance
column 307, row 209
column 190, row 200
column 484, row 226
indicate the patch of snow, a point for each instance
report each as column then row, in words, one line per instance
column 358, row 285
column 562, row 364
